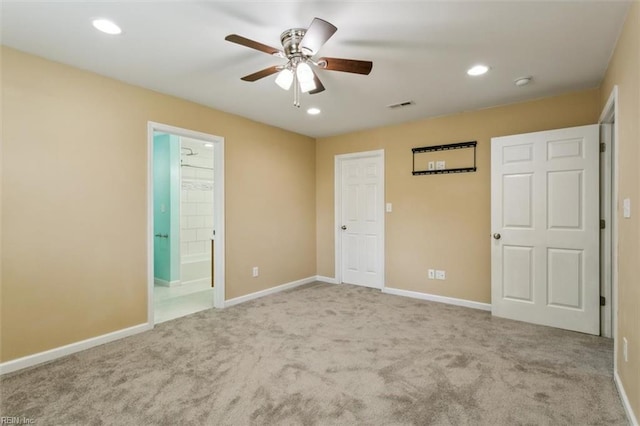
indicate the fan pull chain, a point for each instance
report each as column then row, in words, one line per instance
column 296, row 91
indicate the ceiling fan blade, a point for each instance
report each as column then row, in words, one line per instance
column 319, row 87
column 235, row 38
column 316, row 35
column 346, row 65
column 262, row 73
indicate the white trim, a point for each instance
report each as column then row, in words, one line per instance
column 440, row 299
column 218, row 158
column 610, row 115
column 205, row 280
column 267, row 292
column 633, row 420
column 337, row 191
column 327, row 280
column 53, row 354
column 165, row 283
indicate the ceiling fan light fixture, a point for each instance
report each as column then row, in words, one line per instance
column 304, row 73
column 285, row 79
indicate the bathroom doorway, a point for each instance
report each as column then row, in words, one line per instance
column 186, row 245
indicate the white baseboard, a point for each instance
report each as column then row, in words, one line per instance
column 272, row 290
column 436, row 298
column 52, row 354
column 206, row 280
column 633, row 420
column 164, row 283
column 326, row 280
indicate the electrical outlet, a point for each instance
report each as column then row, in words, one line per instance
column 440, row 165
column 432, row 274
column 440, row 275
column 256, row 272
column 625, row 349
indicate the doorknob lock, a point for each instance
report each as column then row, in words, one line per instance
column 497, row 236
column 343, row 227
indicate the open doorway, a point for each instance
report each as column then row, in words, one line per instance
column 185, row 222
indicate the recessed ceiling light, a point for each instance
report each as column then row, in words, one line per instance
column 522, row 81
column 106, row 26
column 313, row 111
column 477, row 70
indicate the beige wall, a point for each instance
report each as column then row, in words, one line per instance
column 439, row 221
column 624, row 71
column 74, row 196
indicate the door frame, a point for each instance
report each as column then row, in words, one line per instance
column 219, row 221
column 338, row 209
column 609, row 201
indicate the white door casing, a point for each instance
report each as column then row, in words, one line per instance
column 219, row 219
column 545, row 225
column 360, row 218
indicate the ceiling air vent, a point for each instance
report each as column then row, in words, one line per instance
column 401, row 104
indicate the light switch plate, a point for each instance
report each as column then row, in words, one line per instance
column 389, row 208
column 440, row 165
column 626, row 208
column 440, row 275
column 432, row 274
column 432, row 165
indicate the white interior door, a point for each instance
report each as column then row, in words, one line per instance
column 545, row 224
column 361, row 218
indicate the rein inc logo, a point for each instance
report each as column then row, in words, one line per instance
column 7, row 420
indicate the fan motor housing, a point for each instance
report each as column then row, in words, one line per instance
column 290, row 40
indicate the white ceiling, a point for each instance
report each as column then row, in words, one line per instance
column 420, row 51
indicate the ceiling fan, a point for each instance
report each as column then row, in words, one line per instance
column 299, row 45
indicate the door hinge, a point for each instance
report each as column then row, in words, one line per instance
column 603, row 147
column 603, row 300
column 602, row 224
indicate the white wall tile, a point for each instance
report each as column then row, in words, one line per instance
column 196, row 247
column 189, row 209
column 196, row 195
column 205, row 209
column 208, row 221
column 189, row 235
column 196, row 222
column 188, row 172
column 203, row 234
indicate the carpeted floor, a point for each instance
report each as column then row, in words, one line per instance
column 328, row 355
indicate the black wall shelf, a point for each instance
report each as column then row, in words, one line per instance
column 459, row 145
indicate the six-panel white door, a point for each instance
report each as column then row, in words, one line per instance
column 362, row 215
column 545, row 225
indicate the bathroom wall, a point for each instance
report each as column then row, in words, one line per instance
column 197, row 210
column 166, row 208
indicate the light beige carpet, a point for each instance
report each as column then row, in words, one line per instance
column 328, row 355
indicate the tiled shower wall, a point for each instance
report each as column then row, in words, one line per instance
column 196, row 219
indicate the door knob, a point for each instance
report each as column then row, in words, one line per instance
column 343, row 227
column 497, row 236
